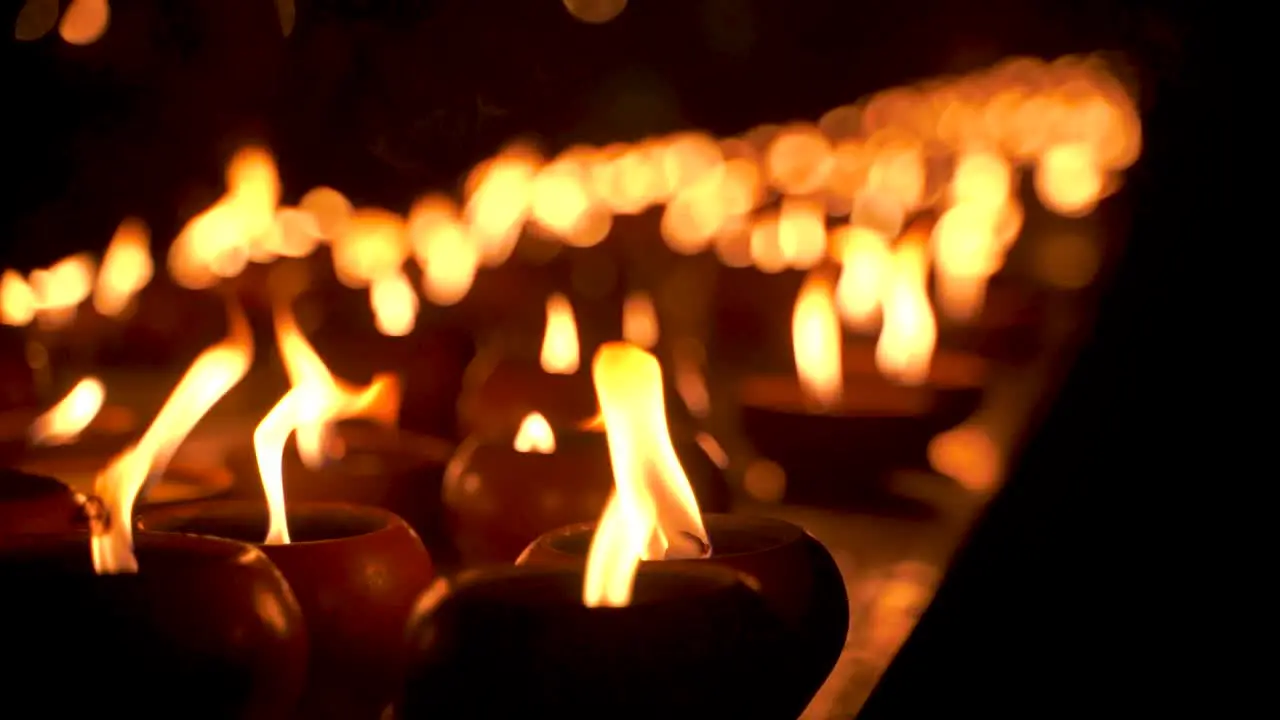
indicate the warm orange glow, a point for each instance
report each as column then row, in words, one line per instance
column 802, row 232
column 314, row 402
column 374, row 246
column 967, row 250
column 447, row 255
column 639, row 320
column 213, row 373
column 126, row 268
column 968, row 454
column 904, row 351
column 394, row 304
column 17, row 299
column 1068, row 179
column 799, row 159
column 61, row 288
column 85, row 21
column 535, row 435
column 560, row 353
column 219, row 242
column 595, row 11
column 816, row 340
column 499, row 193
column 652, row 513
column 63, row 423
column 331, row 209
column 865, row 263
column 689, row 356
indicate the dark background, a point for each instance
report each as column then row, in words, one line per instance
column 386, row 99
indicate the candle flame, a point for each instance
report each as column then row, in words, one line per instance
column 213, row 373
column 652, row 513
column 560, row 353
column 535, row 435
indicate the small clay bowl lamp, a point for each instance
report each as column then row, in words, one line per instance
column 375, row 465
column 797, row 578
column 502, row 494
column 499, row 390
column 31, row 504
column 843, row 453
column 695, row 641
column 206, row 628
column 355, row 571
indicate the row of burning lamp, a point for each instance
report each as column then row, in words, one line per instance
column 870, row 161
column 953, row 148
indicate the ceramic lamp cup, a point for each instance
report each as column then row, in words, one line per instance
column 206, row 629
column 498, row 499
column 355, row 571
column 798, row 579
column 518, row 642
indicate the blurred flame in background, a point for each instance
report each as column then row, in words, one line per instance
column 63, row 423
column 560, row 353
column 534, row 435
column 920, row 182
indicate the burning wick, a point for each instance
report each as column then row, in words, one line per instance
column 652, row 513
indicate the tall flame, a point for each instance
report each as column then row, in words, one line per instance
column 816, row 339
column 560, row 353
column 63, row 423
column 315, row 400
column 213, row 373
column 652, row 513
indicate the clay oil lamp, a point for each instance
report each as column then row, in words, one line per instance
column 32, row 504
column 500, row 495
column 684, row 641
column 797, row 577
column 207, row 620
column 211, row 620
column 500, row 391
column 853, row 414
column 354, row 569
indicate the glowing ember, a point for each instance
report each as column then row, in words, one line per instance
column 652, row 513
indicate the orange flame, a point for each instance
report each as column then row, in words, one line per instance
column 213, row 373
column 652, row 513
column 315, row 400
column 63, row 423
column 904, row 351
column 560, row 353
column 639, row 320
column 816, row 340
column 126, row 268
column 535, row 435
